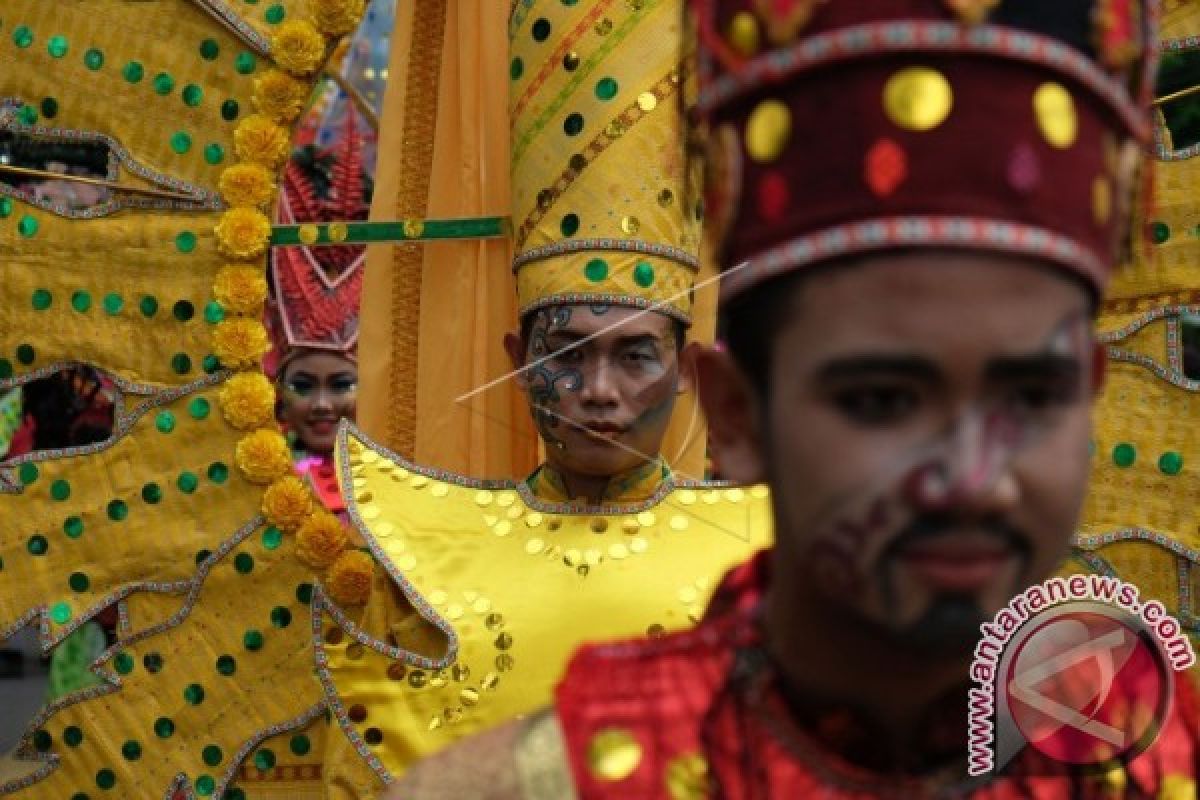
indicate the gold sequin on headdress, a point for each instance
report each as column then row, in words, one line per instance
column 605, row 204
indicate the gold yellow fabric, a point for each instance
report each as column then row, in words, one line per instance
column 605, row 200
column 427, row 344
column 167, row 518
column 1140, row 519
column 515, row 584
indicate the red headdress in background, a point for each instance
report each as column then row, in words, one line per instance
column 315, row 291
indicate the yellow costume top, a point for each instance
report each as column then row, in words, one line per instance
column 514, row 583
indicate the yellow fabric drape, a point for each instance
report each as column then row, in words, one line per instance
column 465, row 289
column 415, row 361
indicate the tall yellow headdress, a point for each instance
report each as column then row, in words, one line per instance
column 605, row 205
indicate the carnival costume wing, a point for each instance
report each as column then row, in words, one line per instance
column 187, row 515
column 1140, row 521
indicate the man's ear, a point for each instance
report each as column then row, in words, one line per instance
column 1099, row 367
column 514, row 345
column 687, row 367
column 732, row 408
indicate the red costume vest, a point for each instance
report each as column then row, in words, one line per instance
column 662, row 719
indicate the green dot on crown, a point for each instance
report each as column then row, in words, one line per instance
column 1124, row 455
column 106, row 779
column 596, row 270
column 643, row 274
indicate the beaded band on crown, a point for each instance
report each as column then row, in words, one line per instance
column 897, row 232
column 884, row 38
column 568, row 246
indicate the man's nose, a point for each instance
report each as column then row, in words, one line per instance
column 599, row 385
column 972, row 472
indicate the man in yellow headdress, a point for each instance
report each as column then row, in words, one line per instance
column 501, row 579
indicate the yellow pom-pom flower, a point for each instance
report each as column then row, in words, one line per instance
column 336, row 17
column 240, row 342
column 280, row 96
column 321, row 539
column 259, row 139
column 263, row 456
column 287, row 503
column 243, row 232
column 248, row 401
column 349, row 579
column 246, row 185
column 241, row 289
column 298, row 47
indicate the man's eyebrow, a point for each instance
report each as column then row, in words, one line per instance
column 1038, row 365
column 565, row 336
column 867, row 366
column 624, row 340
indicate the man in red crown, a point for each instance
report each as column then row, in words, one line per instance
column 919, row 204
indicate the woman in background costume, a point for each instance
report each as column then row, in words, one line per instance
column 313, row 308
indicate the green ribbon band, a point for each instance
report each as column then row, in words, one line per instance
column 419, row 230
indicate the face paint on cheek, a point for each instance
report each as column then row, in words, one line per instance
column 657, row 400
column 546, row 378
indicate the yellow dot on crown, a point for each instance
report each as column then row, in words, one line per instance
column 687, row 778
column 308, row 233
column 743, row 33
column 613, row 754
column 768, row 130
column 647, row 101
column 1055, row 111
column 338, row 232
column 918, row 98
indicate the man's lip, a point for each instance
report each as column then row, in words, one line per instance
column 322, row 424
column 603, row 429
column 952, row 564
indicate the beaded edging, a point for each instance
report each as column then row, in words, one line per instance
column 569, row 246
column 887, row 233
column 606, row 299
column 332, row 699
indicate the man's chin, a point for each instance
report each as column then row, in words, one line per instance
column 599, row 459
column 945, row 626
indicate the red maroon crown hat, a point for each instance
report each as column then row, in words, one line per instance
column 840, row 127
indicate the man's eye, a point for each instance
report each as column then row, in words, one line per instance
column 568, row 355
column 343, row 385
column 1040, row 397
column 877, row 405
column 300, row 387
column 640, row 357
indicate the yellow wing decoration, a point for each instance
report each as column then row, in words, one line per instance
column 1141, row 517
column 161, row 287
